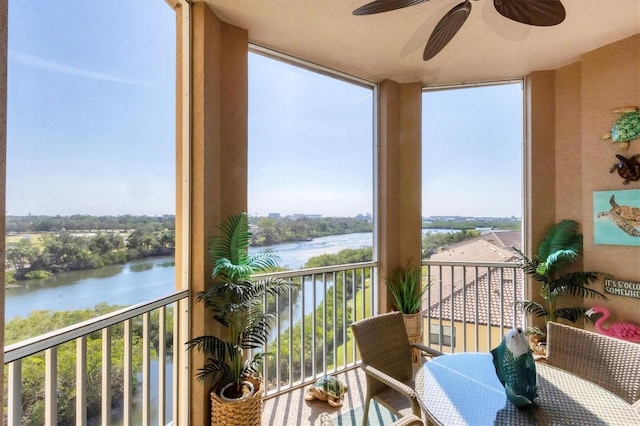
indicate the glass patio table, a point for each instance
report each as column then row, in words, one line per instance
column 463, row 389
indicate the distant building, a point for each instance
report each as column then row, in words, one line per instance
column 366, row 217
column 273, row 215
column 304, row 216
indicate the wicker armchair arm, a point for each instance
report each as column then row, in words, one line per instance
column 426, row 349
column 389, row 381
column 412, row 420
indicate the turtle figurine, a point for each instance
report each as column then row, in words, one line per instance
column 626, row 128
column 626, row 218
column 327, row 388
column 628, row 168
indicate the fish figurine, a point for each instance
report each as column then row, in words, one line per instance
column 516, row 368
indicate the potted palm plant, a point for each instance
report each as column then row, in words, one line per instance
column 560, row 248
column 405, row 285
column 236, row 299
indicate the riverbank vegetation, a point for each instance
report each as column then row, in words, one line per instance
column 38, row 246
column 33, row 367
column 65, row 251
column 321, row 326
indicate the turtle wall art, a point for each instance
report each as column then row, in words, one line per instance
column 617, row 217
column 627, row 168
column 626, row 128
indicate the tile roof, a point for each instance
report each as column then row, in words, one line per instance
column 482, row 289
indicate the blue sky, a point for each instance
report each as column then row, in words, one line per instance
column 472, row 151
column 91, row 107
column 91, row 125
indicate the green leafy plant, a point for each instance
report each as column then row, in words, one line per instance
column 236, row 301
column 560, row 248
column 405, row 285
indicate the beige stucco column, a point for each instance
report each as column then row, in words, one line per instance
column 218, row 160
column 399, row 179
column 539, row 177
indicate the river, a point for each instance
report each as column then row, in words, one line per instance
column 145, row 279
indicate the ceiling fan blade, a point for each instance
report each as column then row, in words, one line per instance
column 379, row 6
column 446, row 28
column 541, row 13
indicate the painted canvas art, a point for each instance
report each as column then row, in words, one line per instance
column 617, row 217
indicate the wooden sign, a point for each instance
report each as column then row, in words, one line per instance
column 622, row 288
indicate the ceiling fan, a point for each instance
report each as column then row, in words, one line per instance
column 542, row 13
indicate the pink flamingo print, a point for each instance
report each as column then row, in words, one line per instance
column 621, row 330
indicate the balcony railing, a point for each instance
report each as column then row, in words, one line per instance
column 312, row 335
column 163, row 339
column 468, row 306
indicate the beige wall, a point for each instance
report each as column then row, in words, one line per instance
column 577, row 101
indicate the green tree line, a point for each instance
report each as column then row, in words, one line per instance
column 269, row 231
column 64, row 251
column 87, row 223
column 461, row 223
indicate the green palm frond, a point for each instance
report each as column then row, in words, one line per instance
column 262, row 262
column 560, row 246
column 529, row 266
column 257, row 335
column 571, row 314
column 212, row 346
column 214, row 370
column 575, row 284
column 253, row 366
column 531, row 307
column 237, row 302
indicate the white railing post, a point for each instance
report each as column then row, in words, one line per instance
column 106, row 376
column 128, row 369
column 51, row 386
column 81, row 381
column 162, row 368
column 146, row 371
column 14, row 399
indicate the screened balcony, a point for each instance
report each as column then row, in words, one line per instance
column 568, row 106
column 320, row 342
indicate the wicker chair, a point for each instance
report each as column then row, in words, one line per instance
column 609, row 362
column 409, row 420
column 386, row 359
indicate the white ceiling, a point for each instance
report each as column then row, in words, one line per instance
column 390, row 45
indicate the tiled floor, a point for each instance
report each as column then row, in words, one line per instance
column 292, row 409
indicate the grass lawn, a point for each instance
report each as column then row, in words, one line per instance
column 358, row 315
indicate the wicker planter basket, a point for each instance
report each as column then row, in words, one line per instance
column 244, row 412
column 413, row 325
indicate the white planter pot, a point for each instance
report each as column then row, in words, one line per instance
column 246, row 394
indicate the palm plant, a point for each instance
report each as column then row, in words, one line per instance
column 560, row 247
column 236, row 301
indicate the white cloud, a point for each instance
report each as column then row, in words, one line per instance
column 28, row 59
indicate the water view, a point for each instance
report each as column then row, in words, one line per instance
column 146, row 279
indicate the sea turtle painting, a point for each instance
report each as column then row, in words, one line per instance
column 626, row 128
column 626, row 218
column 627, row 168
column 327, row 388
